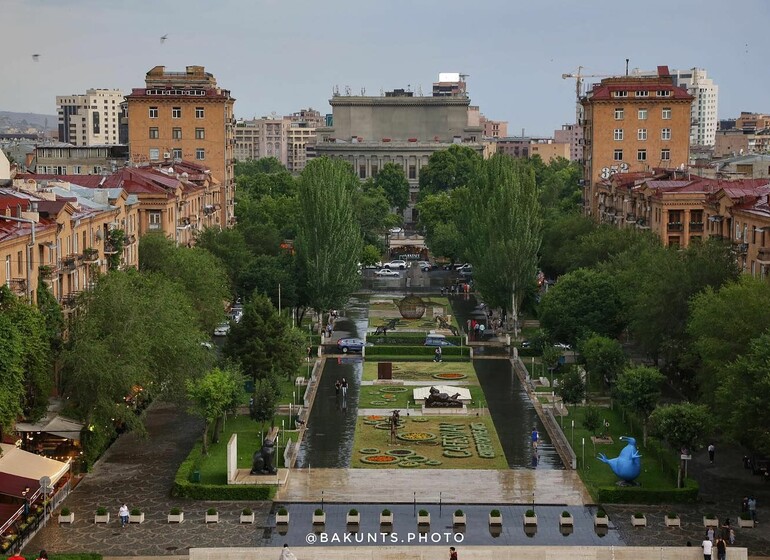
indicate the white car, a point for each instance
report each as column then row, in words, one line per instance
column 395, row 230
column 562, row 346
column 222, row 329
column 386, row 272
column 399, row 264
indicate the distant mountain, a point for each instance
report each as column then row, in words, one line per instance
column 22, row 122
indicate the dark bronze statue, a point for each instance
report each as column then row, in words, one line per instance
column 262, row 461
column 442, row 400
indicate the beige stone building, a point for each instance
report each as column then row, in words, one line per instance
column 301, row 134
column 571, row 134
column 80, row 160
column 260, row 138
column 633, row 124
column 186, row 116
column 90, row 119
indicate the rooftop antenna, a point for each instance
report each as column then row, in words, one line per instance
column 347, row 90
column 626, row 67
column 363, row 91
column 336, row 90
column 419, row 90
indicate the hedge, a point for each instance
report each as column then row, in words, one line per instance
column 529, row 352
column 415, row 350
column 641, row 495
column 185, row 488
column 396, row 358
column 408, row 339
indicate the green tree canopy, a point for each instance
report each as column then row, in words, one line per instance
column 11, row 369
column 572, row 388
column 604, row 357
column 265, row 274
column 393, row 182
column 437, row 218
column 638, row 389
column 448, row 169
column 212, row 395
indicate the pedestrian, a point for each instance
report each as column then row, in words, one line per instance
column 752, row 505
column 481, row 331
column 437, row 354
column 535, row 437
column 123, row 515
column 17, row 555
column 43, row 555
column 286, row 554
column 732, row 536
column 711, row 450
column 337, row 387
column 344, row 388
column 707, row 546
column 745, row 504
column 721, row 548
column 309, row 353
column 452, row 553
column 710, row 534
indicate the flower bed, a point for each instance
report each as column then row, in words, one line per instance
column 369, row 451
column 399, row 452
column 449, row 376
column 416, row 436
column 380, row 459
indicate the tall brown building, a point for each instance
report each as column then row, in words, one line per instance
column 185, row 115
column 632, row 124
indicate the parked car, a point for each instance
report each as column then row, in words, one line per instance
column 346, row 345
column 398, row 263
column 386, row 272
column 562, row 346
column 434, row 339
column 395, row 230
column 526, row 344
column 426, row 266
column 222, row 329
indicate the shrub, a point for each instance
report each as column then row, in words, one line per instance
column 601, row 513
column 175, row 511
column 672, row 515
column 745, row 516
column 283, row 511
column 642, row 495
column 639, row 515
column 136, row 511
column 592, row 419
column 65, row 511
column 565, row 513
column 319, row 511
column 415, row 351
column 353, row 511
column 495, row 513
column 246, row 511
column 423, row 512
column 211, row 511
column 101, row 510
column 529, row 513
column 710, row 516
column 386, row 512
column 459, row 513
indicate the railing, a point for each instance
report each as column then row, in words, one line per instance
column 109, row 249
column 130, row 239
column 18, row 285
column 675, row 226
column 90, row 256
column 154, row 227
column 742, row 248
column 763, row 255
column 696, row 226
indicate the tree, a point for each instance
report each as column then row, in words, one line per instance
column 370, row 255
column 684, row 426
column 230, row 247
column 264, row 402
column 561, row 233
column 329, row 238
column 373, row 212
column 448, row 169
column 11, row 370
column 742, row 396
column 503, row 230
column 267, row 275
column 638, row 388
column 393, row 182
column 604, row 357
column 212, row 396
column 263, row 342
column 582, row 302
column 437, row 217
column 572, row 388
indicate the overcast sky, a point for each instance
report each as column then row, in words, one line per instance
column 284, row 55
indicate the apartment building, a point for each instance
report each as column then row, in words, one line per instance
column 571, row 134
column 90, row 119
column 300, row 135
column 260, row 138
column 493, row 129
column 752, row 122
column 703, row 112
column 81, row 160
column 525, row 146
column 185, row 116
column 633, row 124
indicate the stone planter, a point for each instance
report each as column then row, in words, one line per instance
column 639, row 521
column 353, row 518
column 319, row 519
column 282, row 519
column 136, row 518
column 423, row 519
column 67, row 518
column 745, row 523
column 601, row 521
column 530, row 519
column 459, row 519
column 710, row 522
column 566, row 520
column 247, row 518
column 175, row 517
column 673, row 521
column 212, row 518
column 102, row 518
column 496, row 520
column 386, row 519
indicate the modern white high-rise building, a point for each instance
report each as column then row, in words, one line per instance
column 91, row 119
column 704, row 107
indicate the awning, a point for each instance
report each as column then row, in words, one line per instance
column 20, row 470
column 55, row 425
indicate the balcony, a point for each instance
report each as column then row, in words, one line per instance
column 631, row 218
column 675, row 226
column 763, row 256
column 90, row 256
column 696, row 226
column 130, row 240
column 70, row 301
column 69, row 263
column 109, row 249
column 18, row 286
column 741, row 248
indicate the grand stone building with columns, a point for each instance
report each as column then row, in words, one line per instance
column 400, row 128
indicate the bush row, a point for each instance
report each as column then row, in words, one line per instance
column 529, row 352
column 641, row 495
column 394, row 358
column 409, row 339
column 415, row 350
column 185, row 488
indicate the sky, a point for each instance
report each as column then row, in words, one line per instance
column 284, row 55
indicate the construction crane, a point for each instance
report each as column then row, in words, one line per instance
column 579, row 87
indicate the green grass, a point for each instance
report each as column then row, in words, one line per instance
column 423, row 371
column 371, row 393
column 367, row 436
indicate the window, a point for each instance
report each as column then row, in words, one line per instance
column 665, row 155
column 200, row 153
column 618, row 155
column 413, row 172
column 153, row 112
column 76, row 170
column 176, row 153
column 619, row 114
column 375, row 170
column 644, row 93
column 641, row 155
column 154, row 135
column 665, row 134
column 362, row 171
column 19, row 263
column 642, row 114
column 154, row 220
column 154, row 154
column 641, row 134
column 666, row 114
column 200, row 133
column 176, row 133
column 176, row 112
column 199, row 112
column 618, row 134
column 664, row 93
column 620, row 94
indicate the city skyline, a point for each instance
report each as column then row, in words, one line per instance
column 279, row 57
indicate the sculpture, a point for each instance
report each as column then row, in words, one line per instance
column 262, row 461
column 628, row 464
column 442, row 400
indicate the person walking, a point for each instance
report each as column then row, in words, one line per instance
column 452, row 553
column 286, row 554
column 732, row 536
column 752, row 505
column 123, row 515
column 337, row 387
column 344, row 388
column 721, row 548
column 707, row 546
column 43, row 555
column 535, row 437
column 710, row 534
column 711, row 450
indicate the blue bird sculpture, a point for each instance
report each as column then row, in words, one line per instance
column 628, row 464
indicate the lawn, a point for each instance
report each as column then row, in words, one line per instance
column 429, row 454
column 213, row 467
column 390, row 397
column 423, row 371
column 381, row 312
